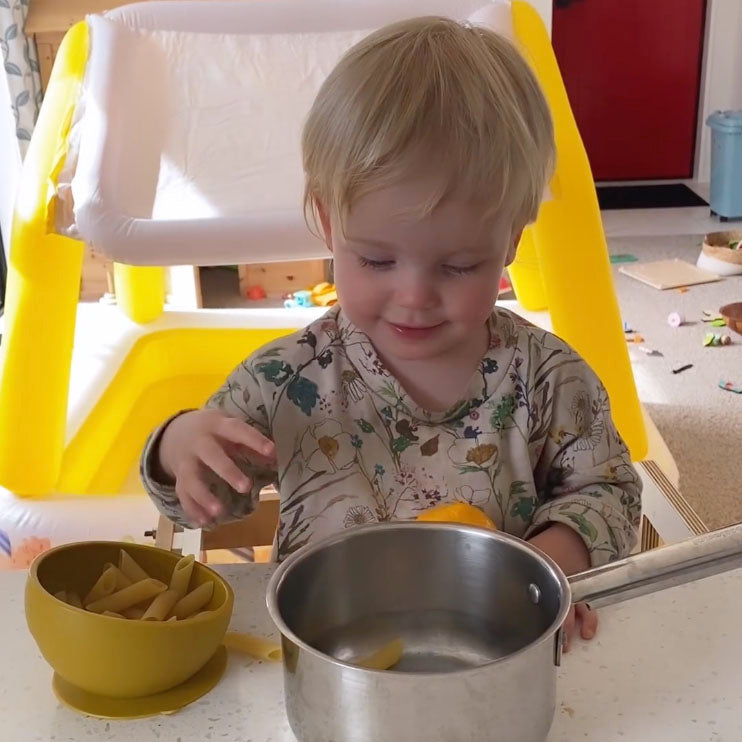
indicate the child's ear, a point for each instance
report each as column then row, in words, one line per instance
column 514, row 242
column 324, row 220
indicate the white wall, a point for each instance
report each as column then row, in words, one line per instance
column 721, row 86
column 10, row 161
column 544, row 8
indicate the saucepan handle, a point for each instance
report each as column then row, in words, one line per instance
column 659, row 569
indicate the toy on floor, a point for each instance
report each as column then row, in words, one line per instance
column 680, row 369
column 714, row 339
column 255, row 293
column 675, row 319
column 730, row 386
column 321, row 295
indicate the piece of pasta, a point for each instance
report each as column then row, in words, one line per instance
column 383, row 658
column 255, row 646
column 181, row 577
column 129, row 596
column 193, row 601
column 159, row 609
column 130, row 568
column 104, row 585
column 122, row 580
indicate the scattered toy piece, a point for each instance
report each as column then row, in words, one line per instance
column 713, row 338
column 649, row 351
column 624, row 258
column 717, row 323
column 255, row 293
column 730, row 386
column 680, row 369
column 683, row 289
column 627, row 327
column 675, row 319
column 300, row 299
column 324, row 294
column 635, row 339
column 709, row 315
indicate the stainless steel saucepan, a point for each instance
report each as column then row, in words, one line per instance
column 479, row 614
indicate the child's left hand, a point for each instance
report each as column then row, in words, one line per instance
column 568, row 550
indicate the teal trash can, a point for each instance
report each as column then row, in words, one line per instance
column 726, row 164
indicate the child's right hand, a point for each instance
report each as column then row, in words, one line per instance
column 200, row 442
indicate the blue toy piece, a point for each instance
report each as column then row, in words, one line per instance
column 300, row 299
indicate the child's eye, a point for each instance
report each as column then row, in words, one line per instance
column 375, row 264
column 461, row 270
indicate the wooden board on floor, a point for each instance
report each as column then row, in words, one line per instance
column 668, row 274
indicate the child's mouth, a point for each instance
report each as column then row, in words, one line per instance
column 409, row 332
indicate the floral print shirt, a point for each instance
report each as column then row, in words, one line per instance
column 531, row 443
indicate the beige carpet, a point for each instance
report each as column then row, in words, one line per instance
column 701, row 424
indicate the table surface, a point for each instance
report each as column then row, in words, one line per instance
column 663, row 667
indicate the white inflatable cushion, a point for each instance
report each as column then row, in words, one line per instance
column 186, row 146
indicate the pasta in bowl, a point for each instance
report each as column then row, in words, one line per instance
column 125, row 620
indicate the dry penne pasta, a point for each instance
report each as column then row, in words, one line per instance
column 104, row 585
column 159, row 609
column 122, row 580
column 255, row 646
column 383, row 658
column 130, row 568
column 181, row 577
column 193, row 601
column 129, row 596
column 127, row 591
column 135, row 612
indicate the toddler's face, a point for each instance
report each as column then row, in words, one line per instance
column 420, row 286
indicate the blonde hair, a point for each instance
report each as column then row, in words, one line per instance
column 430, row 90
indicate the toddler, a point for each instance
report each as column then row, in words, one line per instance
column 426, row 153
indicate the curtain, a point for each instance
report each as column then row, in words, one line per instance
column 21, row 67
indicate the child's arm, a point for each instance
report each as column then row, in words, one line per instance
column 204, row 467
column 584, row 477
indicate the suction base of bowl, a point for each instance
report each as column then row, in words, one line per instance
column 166, row 702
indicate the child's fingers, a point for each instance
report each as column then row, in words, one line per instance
column 214, row 456
column 191, row 486
column 193, row 511
column 588, row 620
column 236, row 431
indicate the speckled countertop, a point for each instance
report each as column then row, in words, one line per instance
column 663, row 667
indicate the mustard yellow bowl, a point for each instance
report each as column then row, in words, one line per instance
column 111, row 656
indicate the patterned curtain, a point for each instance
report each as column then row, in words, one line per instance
column 21, row 68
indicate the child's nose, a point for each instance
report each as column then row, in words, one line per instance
column 416, row 290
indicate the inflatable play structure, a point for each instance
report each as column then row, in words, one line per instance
column 157, row 158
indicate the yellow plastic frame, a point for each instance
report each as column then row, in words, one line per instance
column 563, row 263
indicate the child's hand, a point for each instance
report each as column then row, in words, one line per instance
column 198, row 442
column 568, row 550
column 586, row 617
